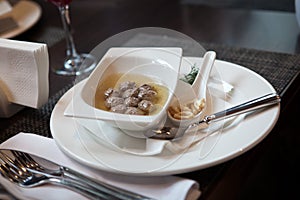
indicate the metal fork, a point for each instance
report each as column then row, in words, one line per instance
column 22, row 169
column 24, row 177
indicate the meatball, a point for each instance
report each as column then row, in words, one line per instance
column 147, row 94
column 127, row 85
column 146, row 106
column 130, row 93
column 133, row 111
column 145, row 87
column 113, row 101
column 131, row 101
column 121, row 108
column 110, row 92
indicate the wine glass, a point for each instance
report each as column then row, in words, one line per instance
column 75, row 63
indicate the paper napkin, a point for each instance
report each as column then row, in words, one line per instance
column 24, row 69
column 162, row 188
column 5, row 7
column 7, row 109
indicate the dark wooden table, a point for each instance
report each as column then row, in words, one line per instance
column 261, row 173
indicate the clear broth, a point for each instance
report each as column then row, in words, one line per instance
column 114, row 80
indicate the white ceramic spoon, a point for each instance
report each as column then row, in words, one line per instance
column 187, row 93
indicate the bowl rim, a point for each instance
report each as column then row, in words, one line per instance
column 116, row 53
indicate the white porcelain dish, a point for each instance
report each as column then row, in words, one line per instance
column 215, row 149
column 26, row 14
column 160, row 64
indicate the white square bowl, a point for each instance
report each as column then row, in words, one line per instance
column 160, row 64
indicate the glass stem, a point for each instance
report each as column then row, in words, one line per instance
column 65, row 17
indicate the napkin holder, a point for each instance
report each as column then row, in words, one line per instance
column 24, row 71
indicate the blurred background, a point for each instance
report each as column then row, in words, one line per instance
column 280, row 5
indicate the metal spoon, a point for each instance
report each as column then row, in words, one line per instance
column 169, row 133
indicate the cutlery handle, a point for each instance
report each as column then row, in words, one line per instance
column 113, row 191
column 251, row 105
column 84, row 190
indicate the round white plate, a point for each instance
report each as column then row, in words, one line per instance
column 77, row 143
column 26, row 14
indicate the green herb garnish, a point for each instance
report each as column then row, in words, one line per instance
column 190, row 77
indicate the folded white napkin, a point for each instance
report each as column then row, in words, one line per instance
column 24, row 70
column 5, row 7
column 164, row 187
column 7, row 109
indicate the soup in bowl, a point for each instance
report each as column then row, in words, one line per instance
column 130, row 88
